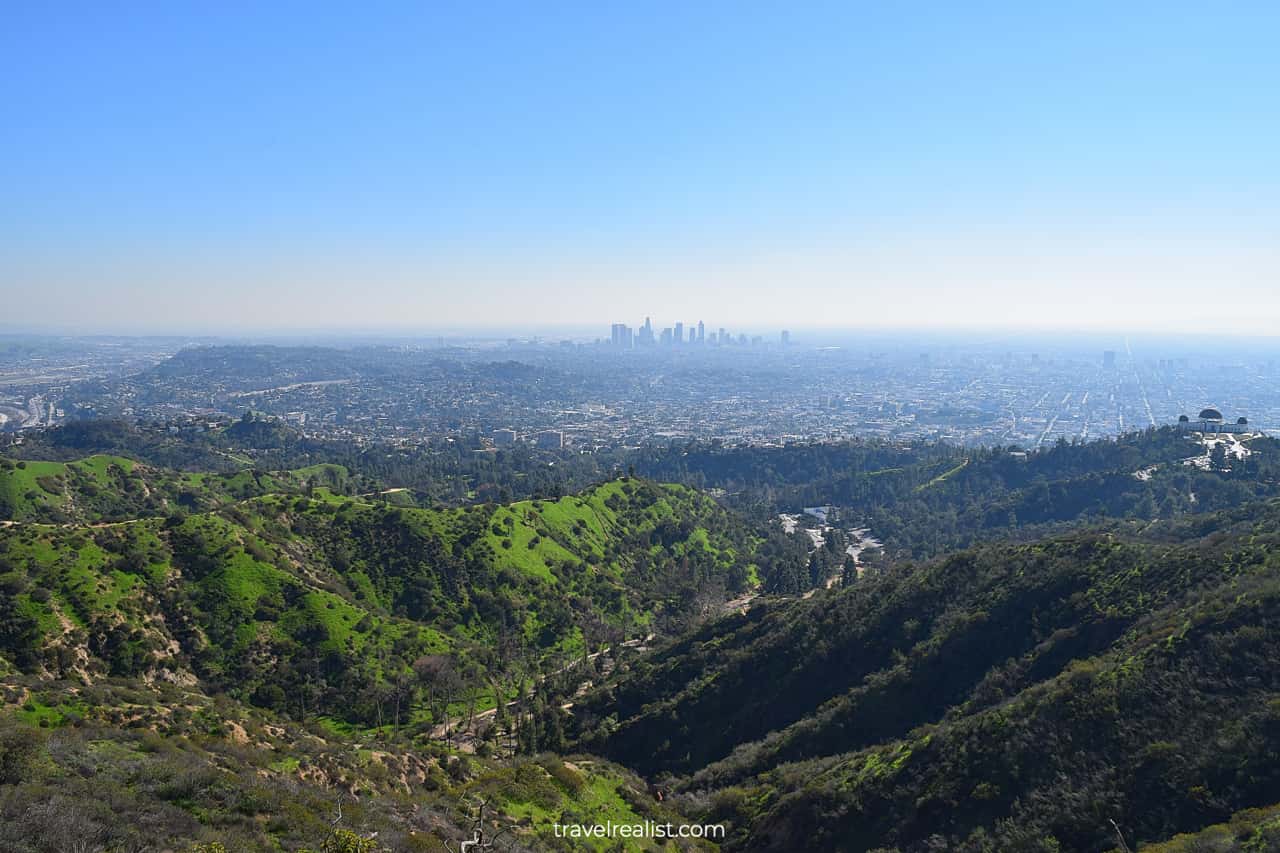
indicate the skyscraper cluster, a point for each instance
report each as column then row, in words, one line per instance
column 623, row 337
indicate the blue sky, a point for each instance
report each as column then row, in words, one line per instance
column 429, row 165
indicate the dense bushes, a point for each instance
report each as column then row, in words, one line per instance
column 1002, row 698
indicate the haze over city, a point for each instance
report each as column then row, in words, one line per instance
column 441, row 166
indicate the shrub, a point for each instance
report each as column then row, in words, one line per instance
column 20, row 748
column 568, row 778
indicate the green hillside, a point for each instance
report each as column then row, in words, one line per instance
column 234, row 671
column 922, row 500
column 307, row 604
column 452, row 471
column 104, row 488
column 1016, row 696
column 233, row 655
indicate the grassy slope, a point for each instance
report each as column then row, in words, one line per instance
column 136, row 649
column 112, row 488
column 222, row 594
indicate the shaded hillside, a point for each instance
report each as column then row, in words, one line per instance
column 1007, row 697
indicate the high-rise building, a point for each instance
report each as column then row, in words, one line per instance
column 620, row 336
column 702, row 333
column 504, row 437
column 550, row 439
column 678, row 336
column 646, row 333
column 785, row 337
column 720, row 338
column 666, row 337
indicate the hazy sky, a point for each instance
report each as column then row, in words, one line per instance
column 181, row 166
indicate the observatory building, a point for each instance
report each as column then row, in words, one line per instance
column 1211, row 420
